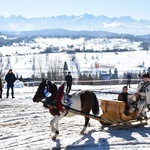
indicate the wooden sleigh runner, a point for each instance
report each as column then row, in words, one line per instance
column 113, row 114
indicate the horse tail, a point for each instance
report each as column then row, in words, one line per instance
column 95, row 108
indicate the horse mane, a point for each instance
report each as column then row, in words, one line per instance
column 59, row 96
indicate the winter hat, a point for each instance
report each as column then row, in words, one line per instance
column 146, row 75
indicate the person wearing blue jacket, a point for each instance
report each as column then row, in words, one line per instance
column 10, row 79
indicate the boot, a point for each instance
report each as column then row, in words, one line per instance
column 13, row 94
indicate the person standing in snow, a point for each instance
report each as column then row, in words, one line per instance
column 68, row 80
column 139, row 77
column 143, row 94
column 1, row 89
column 129, row 79
column 10, row 79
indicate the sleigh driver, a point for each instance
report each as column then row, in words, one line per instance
column 143, row 96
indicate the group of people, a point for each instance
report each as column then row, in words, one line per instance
column 142, row 97
column 10, row 79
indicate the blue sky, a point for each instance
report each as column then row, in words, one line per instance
column 138, row 9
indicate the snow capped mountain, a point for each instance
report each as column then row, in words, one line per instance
column 125, row 24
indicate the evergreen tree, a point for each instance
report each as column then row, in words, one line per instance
column 115, row 74
column 144, row 71
column 110, row 73
column 65, row 66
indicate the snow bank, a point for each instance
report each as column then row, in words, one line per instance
column 17, row 84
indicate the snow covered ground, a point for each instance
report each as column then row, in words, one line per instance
column 25, row 61
column 24, row 125
column 123, row 61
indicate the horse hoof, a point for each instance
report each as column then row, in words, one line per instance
column 89, row 125
column 82, row 132
column 54, row 138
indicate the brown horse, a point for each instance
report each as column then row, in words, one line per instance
column 83, row 101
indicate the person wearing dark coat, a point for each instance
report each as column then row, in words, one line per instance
column 129, row 76
column 123, row 96
column 68, row 80
column 10, row 79
column 1, row 89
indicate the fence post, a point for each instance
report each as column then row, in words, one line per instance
column 33, row 86
column 110, row 83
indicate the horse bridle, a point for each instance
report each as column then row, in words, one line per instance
column 45, row 91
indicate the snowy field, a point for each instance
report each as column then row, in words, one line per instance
column 24, row 125
column 26, row 61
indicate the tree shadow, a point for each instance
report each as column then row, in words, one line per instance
column 58, row 145
column 102, row 142
column 90, row 142
column 127, row 134
column 144, row 131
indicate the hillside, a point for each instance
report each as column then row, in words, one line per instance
column 41, row 56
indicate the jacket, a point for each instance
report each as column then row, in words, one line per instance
column 145, row 93
column 10, row 78
column 68, row 79
column 124, row 97
column 1, row 85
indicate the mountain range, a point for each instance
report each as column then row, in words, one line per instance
column 85, row 22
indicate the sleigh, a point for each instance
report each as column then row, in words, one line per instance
column 113, row 114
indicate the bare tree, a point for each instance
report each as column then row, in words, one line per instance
column 39, row 65
column 8, row 63
column 33, row 67
column 55, row 67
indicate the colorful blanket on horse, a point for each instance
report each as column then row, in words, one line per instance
column 59, row 96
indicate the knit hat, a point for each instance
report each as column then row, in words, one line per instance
column 146, row 75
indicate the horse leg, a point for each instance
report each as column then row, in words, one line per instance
column 85, row 101
column 54, row 124
column 85, row 125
